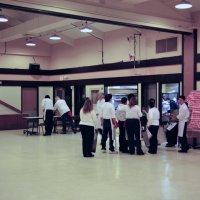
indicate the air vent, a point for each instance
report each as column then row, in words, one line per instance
column 166, row 45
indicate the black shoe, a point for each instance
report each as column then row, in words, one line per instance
column 131, row 152
column 170, row 145
column 182, row 151
column 151, row 152
column 140, row 153
column 63, row 132
column 88, row 156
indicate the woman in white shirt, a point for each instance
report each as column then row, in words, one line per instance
column 153, row 126
column 133, row 114
column 87, row 123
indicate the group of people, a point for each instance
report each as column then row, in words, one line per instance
column 127, row 117
column 48, row 109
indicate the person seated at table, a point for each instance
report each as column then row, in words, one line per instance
column 47, row 106
column 64, row 111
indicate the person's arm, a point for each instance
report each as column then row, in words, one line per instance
column 43, row 104
column 114, row 121
column 139, row 112
column 150, row 118
column 94, row 118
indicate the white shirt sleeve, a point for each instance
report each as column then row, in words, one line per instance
column 43, row 103
column 139, row 112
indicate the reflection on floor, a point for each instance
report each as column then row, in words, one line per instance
column 52, row 168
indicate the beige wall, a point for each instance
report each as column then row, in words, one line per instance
column 198, row 85
column 12, row 96
column 17, row 55
column 87, row 51
column 171, row 69
column 198, row 67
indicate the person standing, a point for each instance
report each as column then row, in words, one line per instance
column 47, row 106
column 87, row 123
column 121, row 116
column 100, row 102
column 108, row 121
column 133, row 114
column 183, row 118
column 153, row 125
column 64, row 112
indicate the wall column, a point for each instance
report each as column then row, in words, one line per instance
column 189, row 62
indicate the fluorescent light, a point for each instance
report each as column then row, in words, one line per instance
column 54, row 37
column 86, row 29
column 183, row 5
column 30, row 43
column 3, row 18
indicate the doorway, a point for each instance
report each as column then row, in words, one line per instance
column 30, row 101
column 148, row 91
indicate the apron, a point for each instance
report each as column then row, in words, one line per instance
column 181, row 126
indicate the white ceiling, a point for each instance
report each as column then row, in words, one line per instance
column 153, row 13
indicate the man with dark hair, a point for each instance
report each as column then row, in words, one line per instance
column 121, row 116
column 153, row 126
column 47, row 106
column 183, row 118
column 108, row 120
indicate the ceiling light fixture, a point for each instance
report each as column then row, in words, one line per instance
column 2, row 17
column 183, row 5
column 29, row 42
column 54, row 37
column 86, row 29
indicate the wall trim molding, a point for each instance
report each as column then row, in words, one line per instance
column 96, row 68
column 164, row 78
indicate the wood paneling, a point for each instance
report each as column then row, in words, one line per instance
column 12, row 122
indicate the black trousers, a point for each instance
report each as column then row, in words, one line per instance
column 65, row 117
column 122, row 137
column 133, row 131
column 48, row 122
column 172, row 136
column 183, row 140
column 107, row 129
column 87, row 133
column 153, row 140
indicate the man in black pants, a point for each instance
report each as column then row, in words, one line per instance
column 108, row 120
column 183, row 118
column 47, row 105
column 121, row 116
column 153, row 126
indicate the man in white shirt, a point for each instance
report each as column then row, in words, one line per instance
column 108, row 120
column 64, row 111
column 183, row 118
column 47, row 106
column 153, row 126
column 121, row 116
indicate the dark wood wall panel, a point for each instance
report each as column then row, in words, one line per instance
column 12, row 122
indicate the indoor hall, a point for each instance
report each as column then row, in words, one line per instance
column 146, row 45
column 53, row 168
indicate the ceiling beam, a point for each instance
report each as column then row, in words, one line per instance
column 100, row 14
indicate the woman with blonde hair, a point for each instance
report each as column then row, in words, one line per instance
column 87, row 126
